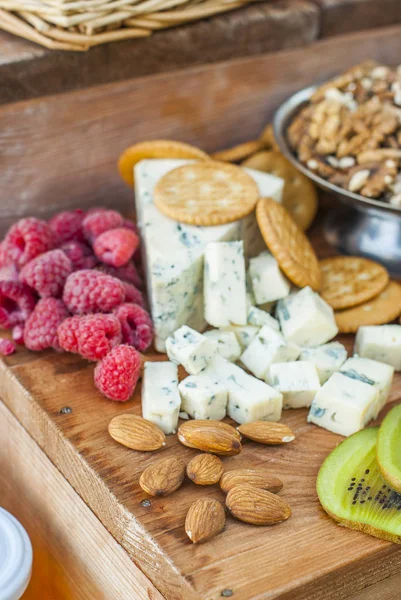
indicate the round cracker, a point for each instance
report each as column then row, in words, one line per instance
column 206, row 193
column 268, row 139
column 288, row 244
column 239, row 152
column 383, row 309
column 155, row 149
column 299, row 194
column 351, row 280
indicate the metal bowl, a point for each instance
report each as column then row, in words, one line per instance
column 359, row 225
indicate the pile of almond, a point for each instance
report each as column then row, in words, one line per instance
column 350, row 131
column 250, row 494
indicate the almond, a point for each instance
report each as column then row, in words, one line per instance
column 205, row 469
column 255, row 506
column 210, row 436
column 250, row 477
column 266, row 432
column 164, row 477
column 136, row 433
column 205, row 519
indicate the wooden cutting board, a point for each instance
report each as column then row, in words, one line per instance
column 307, row 557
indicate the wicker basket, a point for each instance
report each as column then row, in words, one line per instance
column 80, row 24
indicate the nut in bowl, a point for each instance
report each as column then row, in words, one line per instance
column 345, row 138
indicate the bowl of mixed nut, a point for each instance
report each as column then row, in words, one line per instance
column 345, row 135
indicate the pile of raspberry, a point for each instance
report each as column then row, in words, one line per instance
column 73, row 284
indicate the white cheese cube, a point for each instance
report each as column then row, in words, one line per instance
column 297, row 381
column 344, row 405
column 267, row 348
column 161, row 400
column 380, row 342
column 328, row 359
column 244, row 333
column 203, row 397
column 248, row 398
column 371, row 372
column 306, row 319
column 228, row 346
column 259, row 317
column 224, row 284
column 190, row 349
column 268, row 282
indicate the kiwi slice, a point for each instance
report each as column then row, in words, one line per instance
column 389, row 448
column 352, row 490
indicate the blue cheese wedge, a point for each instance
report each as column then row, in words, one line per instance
column 268, row 282
column 372, row 372
column 297, row 381
column 344, row 405
column 204, row 397
column 224, row 284
column 380, row 342
column 248, row 398
column 244, row 333
column 161, row 400
column 259, row 318
column 190, row 349
column 306, row 319
column 228, row 346
column 173, row 252
column 268, row 347
column 328, row 359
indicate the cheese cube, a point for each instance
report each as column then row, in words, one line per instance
column 203, row 397
column 371, row 372
column 248, row 398
column 227, row 344
column 344, row 405
column 306, row 319
column 244, row 333
column 297, row 381
column 190, row 349
column 268, row 282
column 160, row 396
column 224, row 284
column 328, row 359
column 267, row 348
column 381, row 342
column 259, row 317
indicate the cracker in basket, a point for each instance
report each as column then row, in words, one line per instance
column 155, row 149
column 383, row 309
column 239, row 152
column 206, row 193
column 350, row 280
column 299, row 195
column 288, row 244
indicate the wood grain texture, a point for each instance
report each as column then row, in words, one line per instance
column 308, row 557
column 343, row 16
column 75, row 558
column 254, row 29
column 73, row 140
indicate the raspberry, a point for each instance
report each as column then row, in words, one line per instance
column 99, row 221
column 117, row 374
column 67, row 334
column 3, row 255
column 9, row 273
column 18, row 334
column 131, row 225
column 132, row 294
column 40, row 330
column 16, row 303
column 47, row 273
column 7, row 347
column 67, row 225
column 89, row 291
column 26, row 240
column 136, row 325
column 116, row 246
column 126, row 273
column 97, row 335
column 80, row 255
